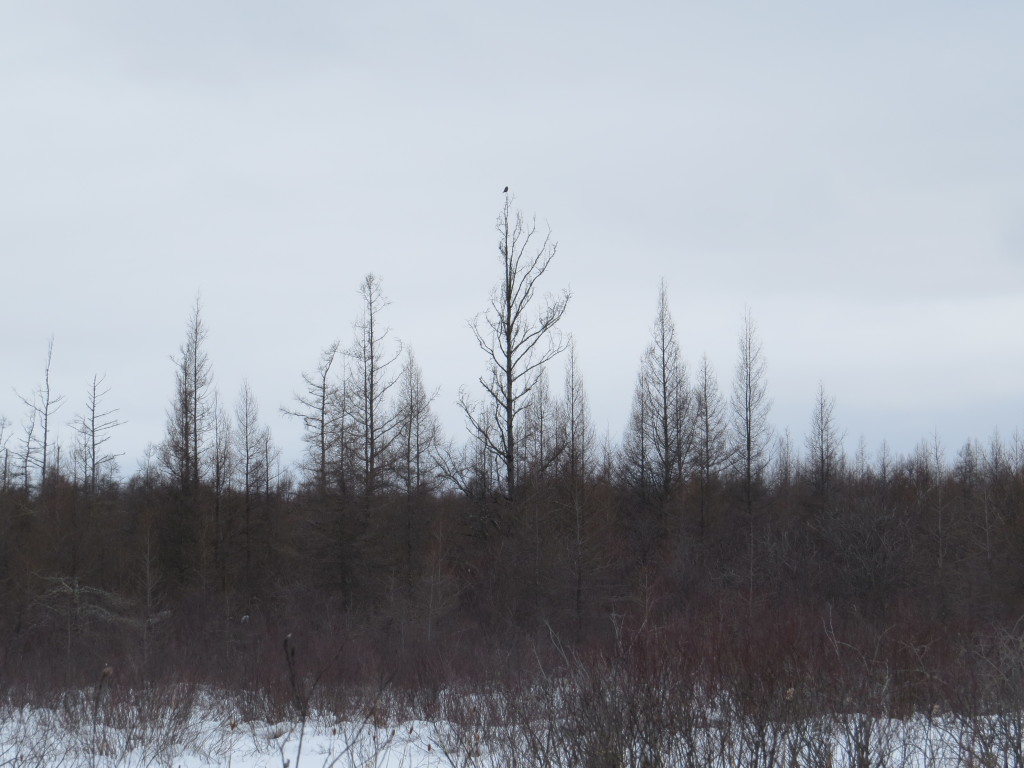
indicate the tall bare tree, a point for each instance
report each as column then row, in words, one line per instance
column 577, row 438
column 43, row 403
column 190, row 419
column 751, row 431
column 252, row 467
column 249, row 443
column 824, row 445
column 219, row 528
column 660, row 436
column 316, row 405
column 711, row 432
column 5, row 454
column 576, row 469
column 28, row 451
column 414, row 459
column 373, row 355
column 518, row 334
column 94, row 427
column 418, row 432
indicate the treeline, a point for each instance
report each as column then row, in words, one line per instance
column 530, row 543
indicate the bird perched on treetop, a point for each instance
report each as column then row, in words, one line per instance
column 505, row 190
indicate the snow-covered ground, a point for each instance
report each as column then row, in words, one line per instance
column 196, row 736
column 45, row 737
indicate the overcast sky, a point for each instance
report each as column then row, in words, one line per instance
column 852, row 172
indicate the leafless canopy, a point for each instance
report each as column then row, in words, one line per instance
column 518, row 333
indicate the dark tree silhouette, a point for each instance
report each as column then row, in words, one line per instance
column 751, row 431
column 372, row 355
column 518, row 334
column 94, row 428
column 189, row 420
column 824, row 445
column 42, row 405
column 711, row 430
column 660, row 433
column 316, row 406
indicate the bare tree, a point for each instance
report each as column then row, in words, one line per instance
column 273, row 476
column 575, row 424
column 249, row 442
column 418, row 431
column 414, row 456
column 517, row 335
column 94, row 427
column 711, row 431
column 660, row 435
column 189, row 420
column 538, row 439
column 222, row 453
column 636, row 469
column 861, row 461
column 372, row 356
column 824, row 445
column 930, row 470
column 785, row 462
column 252, row 467
column 576, row 437
column 472, row 468
column 5, row 454
column 221, row 529
column 42, row 405
column 751, row 432
column 885, row 463
column 27, row 455
column 316, row 406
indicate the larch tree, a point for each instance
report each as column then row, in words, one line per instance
column 518, row 334
column 42, row 405
column 222, row 454
column 824, row 445
column 751, row 430
column 414, row 455
column 575, row 425
column 251, row 468
column 785, row 463
column 538, row 440
column 636, row 468
column 219, row 530
column 28, row 451
column 751, row 433
column 5, row 455
column 94, row 427
column 317, row 407
column 249, row 434
column 274, row 478
column 885, row 462
column 662, row 423
column 576, row 470
column 372, row 356
column 418, row 432
column 190, row 419
column 861, row 461
column 711, row 436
